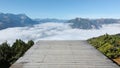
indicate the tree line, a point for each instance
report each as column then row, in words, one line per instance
column 9, row 54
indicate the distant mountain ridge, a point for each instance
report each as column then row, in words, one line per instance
column 49, row 20
column 83, row 23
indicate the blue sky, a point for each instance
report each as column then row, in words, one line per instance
column 63, row 9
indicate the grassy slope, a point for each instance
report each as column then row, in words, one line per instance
column 109, row 45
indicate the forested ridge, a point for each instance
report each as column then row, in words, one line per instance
column 109, row 45
column 9, row 54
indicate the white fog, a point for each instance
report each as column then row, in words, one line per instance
column 54, row 31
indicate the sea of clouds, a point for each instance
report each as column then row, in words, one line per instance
column 54, row 31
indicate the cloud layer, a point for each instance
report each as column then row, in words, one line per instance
column 54, row 31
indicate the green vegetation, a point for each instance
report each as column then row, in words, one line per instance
column 108, row 45
column 9, row 54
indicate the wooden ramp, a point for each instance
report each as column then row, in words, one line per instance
column 63, row 54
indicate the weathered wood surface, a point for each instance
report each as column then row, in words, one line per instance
column 63, row 54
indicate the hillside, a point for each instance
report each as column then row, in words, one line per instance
column 109, row 45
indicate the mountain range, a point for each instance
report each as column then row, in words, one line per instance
column 15, row 20
column 20, row 20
